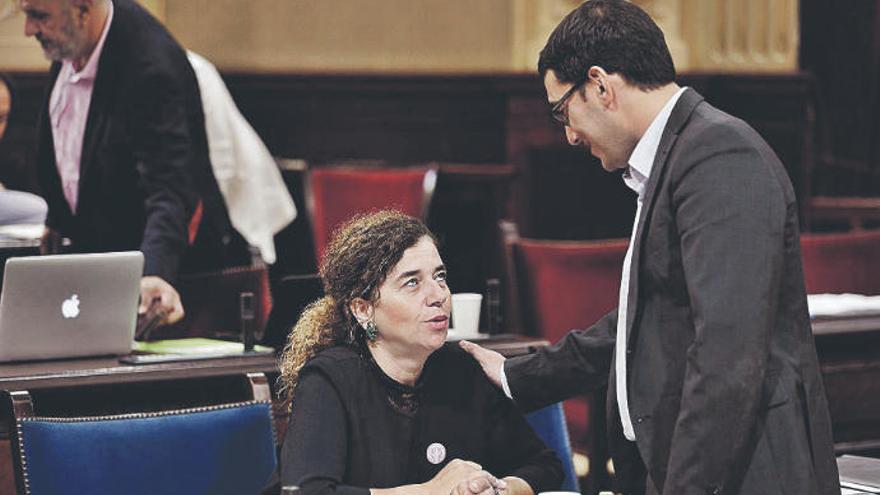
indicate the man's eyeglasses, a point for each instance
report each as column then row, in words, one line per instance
column 559, row 110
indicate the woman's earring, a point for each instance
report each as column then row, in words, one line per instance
column 370, row 331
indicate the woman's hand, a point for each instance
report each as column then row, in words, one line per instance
column 452, row 474
column 480, row 483
column 443, row 483
column 460, row 477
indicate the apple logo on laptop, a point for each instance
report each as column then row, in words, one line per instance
column 70, row 307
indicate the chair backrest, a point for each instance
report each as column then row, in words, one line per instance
column 335, row 193
column 293, row 293
column 211, row 303
column 553, row 287
column 561, row 285
column 842, row 262
column 549, row 424
column 221, row 449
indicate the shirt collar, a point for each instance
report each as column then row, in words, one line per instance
column 90, row 71
column 641, row 161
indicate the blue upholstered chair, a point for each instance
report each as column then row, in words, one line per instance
column 549, row 424
column 212, row 450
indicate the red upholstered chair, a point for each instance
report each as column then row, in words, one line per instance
column 842, row 262
column 335, row 194
column 556, row 286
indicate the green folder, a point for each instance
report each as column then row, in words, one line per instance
column 194, row 346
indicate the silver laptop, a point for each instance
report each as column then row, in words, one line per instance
column 69, row 305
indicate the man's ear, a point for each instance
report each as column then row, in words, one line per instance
column 600, row 79
column 361, row 309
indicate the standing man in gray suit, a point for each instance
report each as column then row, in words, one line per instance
column 714, row 385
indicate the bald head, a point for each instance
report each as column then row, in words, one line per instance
column 66, row 29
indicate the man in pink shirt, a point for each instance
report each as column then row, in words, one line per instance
column 122, row 154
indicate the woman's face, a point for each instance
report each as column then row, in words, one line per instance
column 412, row 313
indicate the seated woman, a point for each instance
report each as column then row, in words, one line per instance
column 379, row 404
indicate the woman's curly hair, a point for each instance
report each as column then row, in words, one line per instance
column 361, row 254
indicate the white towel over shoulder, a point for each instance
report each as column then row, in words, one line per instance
column 258, row 201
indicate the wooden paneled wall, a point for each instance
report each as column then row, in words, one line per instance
column 840, row 44
column 557, row 192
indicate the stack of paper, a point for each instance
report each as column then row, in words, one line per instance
column 842, row 305
column 23, row 231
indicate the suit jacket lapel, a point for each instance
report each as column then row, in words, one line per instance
column 105, row 83
column 677, row 119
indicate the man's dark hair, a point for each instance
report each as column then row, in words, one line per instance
column 613, row 34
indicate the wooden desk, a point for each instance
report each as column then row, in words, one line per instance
column 856, row 211
column 845, row 325
column 849, row 357
column 108, row 370
column 92, row 386
column 509, row 344
column 74, row 373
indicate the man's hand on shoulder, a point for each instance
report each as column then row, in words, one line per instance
column 490, row 361
column 155, row 290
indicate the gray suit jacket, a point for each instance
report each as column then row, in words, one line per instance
column 724, row 385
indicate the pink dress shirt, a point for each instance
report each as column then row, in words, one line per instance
column 68, row 111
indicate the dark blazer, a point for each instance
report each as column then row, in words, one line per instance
column 144, row 164
column 724, row 387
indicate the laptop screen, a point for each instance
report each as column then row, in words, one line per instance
column 69, row 305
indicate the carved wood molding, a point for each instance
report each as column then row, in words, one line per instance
column 533, row 21
column 703, row 35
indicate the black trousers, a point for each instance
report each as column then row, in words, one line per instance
column 631, row 475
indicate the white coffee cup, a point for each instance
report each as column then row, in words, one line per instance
column 562, row 493
column 466, row 314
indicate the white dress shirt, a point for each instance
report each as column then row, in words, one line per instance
column 641, row 161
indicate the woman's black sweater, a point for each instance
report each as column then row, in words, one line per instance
column 353, row 428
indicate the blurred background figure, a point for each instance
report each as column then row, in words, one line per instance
column 16, row 207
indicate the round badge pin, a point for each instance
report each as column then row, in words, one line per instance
column 436, row 453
